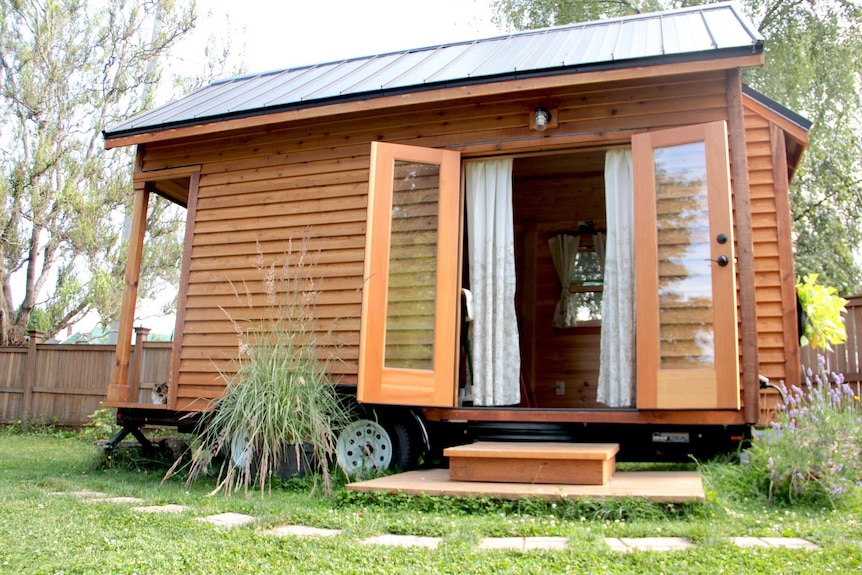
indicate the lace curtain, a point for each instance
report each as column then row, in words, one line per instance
column 617, row 368
column 564, row 252
column 496, row 357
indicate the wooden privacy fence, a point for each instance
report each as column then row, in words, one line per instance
column 846, row 358
column 63, row 384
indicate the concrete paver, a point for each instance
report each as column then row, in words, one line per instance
column 169, row 508
column 228, row 520
column 118, row 500
column 524, row 543
column 657, row 543
column 403, row 541
column 81, row 494
column 791, row 543
column 301, row 531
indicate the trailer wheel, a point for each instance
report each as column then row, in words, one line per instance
column 364, row 445
column 240, row 450
column 406, row 447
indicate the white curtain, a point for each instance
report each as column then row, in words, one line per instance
column 599, row 242
column 564, row 252
column 496, row 356
column 617, row 368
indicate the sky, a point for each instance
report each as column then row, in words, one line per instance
column 278, row 34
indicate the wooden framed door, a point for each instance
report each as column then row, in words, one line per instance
column 687, row 341
column 408, row 335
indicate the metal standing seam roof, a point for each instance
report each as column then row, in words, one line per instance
column 703, row 32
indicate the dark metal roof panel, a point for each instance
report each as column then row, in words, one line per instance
column 686, row 34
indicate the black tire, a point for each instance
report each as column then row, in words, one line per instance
column 406, row 446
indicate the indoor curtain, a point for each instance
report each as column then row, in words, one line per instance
column 496, row 357
column 564, row 252
column 617, row 368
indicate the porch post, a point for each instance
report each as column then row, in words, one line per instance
column 141, row 334
column 118, row 390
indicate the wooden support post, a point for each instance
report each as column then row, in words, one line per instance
column 744, row 245
column 118, row 390
column 141, row 334
column 36, row 338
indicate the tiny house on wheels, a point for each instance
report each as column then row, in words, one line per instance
column 580, row 233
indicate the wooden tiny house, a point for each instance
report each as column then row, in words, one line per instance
column 630, row 145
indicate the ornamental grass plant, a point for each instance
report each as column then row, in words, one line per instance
column 813, row 453
column 280, row 402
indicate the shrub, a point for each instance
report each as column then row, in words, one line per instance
column 279, row 396
column 821, row 310
column 814, row 452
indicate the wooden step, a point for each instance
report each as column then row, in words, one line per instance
column 533, row 462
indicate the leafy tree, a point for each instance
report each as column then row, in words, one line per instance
column 68, row 70
column 814, row 66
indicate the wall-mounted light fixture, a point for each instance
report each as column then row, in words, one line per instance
column 542, row 119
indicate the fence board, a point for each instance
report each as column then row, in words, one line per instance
column 69, row 381
column 845, row 359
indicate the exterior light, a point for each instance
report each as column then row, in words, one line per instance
column 543, row 118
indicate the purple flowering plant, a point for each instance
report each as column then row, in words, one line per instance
column 814, row 451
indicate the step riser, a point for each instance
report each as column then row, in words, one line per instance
column 556, row 471
column 533, row 462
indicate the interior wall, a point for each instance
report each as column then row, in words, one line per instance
column 552, row 194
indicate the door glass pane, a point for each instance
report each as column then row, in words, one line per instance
column 685, row 271
column 412, row 267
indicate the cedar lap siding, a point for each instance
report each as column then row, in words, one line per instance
column 255, row 184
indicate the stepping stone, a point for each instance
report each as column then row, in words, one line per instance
column 524, row 543
column 118, row 500
column 650, row 544
column 169, row 508
column 749, row 542
column 81, row 494
column 228, row 520
column 791, row 543
column 301, row 531
column 616, row 545
column 403, row 541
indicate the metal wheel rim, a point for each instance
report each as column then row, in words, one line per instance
column 240, row 450
column 364, row 445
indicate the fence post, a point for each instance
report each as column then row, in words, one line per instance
column 141, row 334
column 36, row 338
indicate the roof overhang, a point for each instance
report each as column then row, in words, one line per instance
column 467, row 90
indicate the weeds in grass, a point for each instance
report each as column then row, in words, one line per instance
column 279, row 396
column 102, row 424
column 814, row 451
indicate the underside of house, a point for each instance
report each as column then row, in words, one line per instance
column 576, row 233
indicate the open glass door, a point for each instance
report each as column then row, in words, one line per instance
column 687, row 343
column 407, row 352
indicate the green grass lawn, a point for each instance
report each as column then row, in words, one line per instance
column 44, row 533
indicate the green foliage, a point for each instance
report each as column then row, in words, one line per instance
column 813, row 52
column 279, row 395
column 823, row 308
column 44, row 532
column 813, row 453
column 70, row 69
column 102, row 424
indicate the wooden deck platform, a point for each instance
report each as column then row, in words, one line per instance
column 658, row 486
